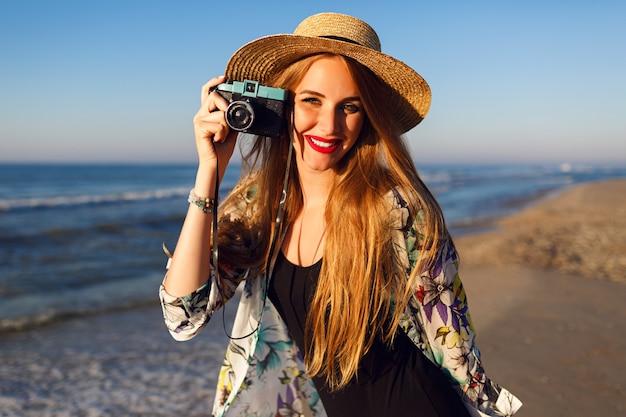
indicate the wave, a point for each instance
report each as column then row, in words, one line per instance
column 32, row 310
column 77, row 200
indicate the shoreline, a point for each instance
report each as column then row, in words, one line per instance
column 553, row 336
column 580, row 230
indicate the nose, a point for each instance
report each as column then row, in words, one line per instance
column 329, row 120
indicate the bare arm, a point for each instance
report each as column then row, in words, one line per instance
column 190, row 267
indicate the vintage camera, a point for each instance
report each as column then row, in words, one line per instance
column 254, row 108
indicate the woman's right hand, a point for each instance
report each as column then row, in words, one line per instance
column 215, row 141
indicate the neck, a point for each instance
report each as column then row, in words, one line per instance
column 315, row 186
column 304, row 240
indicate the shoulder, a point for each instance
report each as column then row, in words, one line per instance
column 403, row 215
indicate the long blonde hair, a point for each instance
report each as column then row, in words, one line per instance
column 362, row 290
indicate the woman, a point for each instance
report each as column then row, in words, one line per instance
column 351, row 302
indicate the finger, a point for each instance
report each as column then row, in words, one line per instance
column 222, row 132
column 206, row 88
column 212, row 125
column 216, row 102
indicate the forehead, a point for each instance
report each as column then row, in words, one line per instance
column 328, row 74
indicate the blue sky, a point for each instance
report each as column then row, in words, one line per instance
column 119, row 81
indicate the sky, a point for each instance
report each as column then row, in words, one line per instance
column 119, row 80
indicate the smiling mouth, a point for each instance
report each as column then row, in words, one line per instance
column 322, row 145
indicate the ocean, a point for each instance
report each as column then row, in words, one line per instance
column 81, row 261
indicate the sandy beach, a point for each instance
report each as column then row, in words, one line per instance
column 545, row 291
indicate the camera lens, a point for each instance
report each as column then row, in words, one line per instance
column 239, row 115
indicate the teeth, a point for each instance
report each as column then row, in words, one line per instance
column 322, row 144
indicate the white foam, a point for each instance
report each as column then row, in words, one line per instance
column 56, row 201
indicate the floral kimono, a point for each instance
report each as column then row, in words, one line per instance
column 263, row 373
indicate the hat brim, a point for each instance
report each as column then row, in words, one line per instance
column 262, row 58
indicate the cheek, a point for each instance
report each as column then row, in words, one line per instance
column 355, row 125
column 303, row 120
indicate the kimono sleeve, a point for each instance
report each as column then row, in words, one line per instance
column 448, row 327
column 438, row 321
column 186, row 316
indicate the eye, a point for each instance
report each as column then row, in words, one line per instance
column 350, row 108
column 311, row 100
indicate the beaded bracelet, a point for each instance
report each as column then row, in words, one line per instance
column 205, row 204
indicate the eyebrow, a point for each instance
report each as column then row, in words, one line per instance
column 315, row 93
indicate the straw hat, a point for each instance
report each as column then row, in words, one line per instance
column 336, row 33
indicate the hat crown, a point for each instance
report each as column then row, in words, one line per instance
column 339, row 27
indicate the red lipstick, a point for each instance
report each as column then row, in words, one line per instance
column 322, row 145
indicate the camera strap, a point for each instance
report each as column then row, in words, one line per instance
column 271, row 257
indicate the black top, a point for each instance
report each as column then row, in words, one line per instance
column 396, row 381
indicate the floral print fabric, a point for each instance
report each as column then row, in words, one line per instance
column 263, row 373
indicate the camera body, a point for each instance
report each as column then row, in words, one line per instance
column 255, row 109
